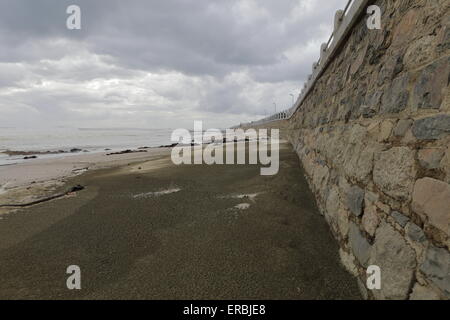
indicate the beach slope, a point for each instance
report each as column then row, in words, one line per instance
column 153, row 230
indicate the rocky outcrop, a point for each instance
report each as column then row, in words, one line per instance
column 373, row 136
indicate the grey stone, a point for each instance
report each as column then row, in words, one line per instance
column 397, row 262
column 437, row 268
column 432, row 128
column 396, row 97
column 355, row 200
column 372, row 104
column 429, row 87
column 445, row 42
column 415, row 233
column 360, row 246
column 390, row 69
column 402, row 127
column 368, row 112
column 401, row 219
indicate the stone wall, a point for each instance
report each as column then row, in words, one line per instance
column 373, row 136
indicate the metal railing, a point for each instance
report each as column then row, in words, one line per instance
column 343, row 23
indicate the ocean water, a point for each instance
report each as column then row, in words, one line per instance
column 92, row 140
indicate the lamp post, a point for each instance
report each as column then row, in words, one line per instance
column 292, row 98
column 275, row 104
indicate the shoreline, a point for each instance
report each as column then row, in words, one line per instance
column 38, row 178
column 35, row 179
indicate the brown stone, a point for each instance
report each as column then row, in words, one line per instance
column 445, row 164
column 404, row 30
column 420, row 52
column 431, row 200
column 370, row 220
column 430, row 158
column 394, row 172
column 386, row 128
column 423, row 293
column 402, row 127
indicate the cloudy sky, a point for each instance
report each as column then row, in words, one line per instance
column 156, row 63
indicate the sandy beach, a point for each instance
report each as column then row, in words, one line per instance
column 38, row 178
column 144, row 228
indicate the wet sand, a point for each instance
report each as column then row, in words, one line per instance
column 35, row 179
column 153, row 230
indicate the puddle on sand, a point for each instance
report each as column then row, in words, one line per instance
column 156, row 193
column 251, row 197
column 242, row 206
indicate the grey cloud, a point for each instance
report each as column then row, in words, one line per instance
column 206, row 42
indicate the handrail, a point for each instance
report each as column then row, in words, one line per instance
column 344, row 22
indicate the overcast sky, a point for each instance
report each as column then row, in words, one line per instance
column 156, row 63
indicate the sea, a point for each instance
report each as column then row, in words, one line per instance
column 85, row 139
column 82, row 139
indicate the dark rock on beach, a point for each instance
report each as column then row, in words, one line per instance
column 169, row 145
column 125, row 152
column 30, row 153
column 77, row 188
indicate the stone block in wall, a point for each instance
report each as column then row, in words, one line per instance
column 415, row 233
column 371, row 220
column 360, row 246
column 402, row 127
column 397, row 262
column 417, row 239
column 396, row 96
column 390, row 69
column 332, row 207
column 399, row 218
column 358, row 59
column 431, row 200
column 420, row 51
column 394, row 172
column 320, row 175
column 358, row 154
column 430, row 158
column 358, row 161
column 343, row 222
column 386, row 128
column 444, row 39
column 445, row 106
column 423, row 293
column 445, row 164
column 437, row 268
column 406, row 28
column 432, row 128
column 348, row 261
column 372, row 104
column 355, row 200
column 429, row 89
